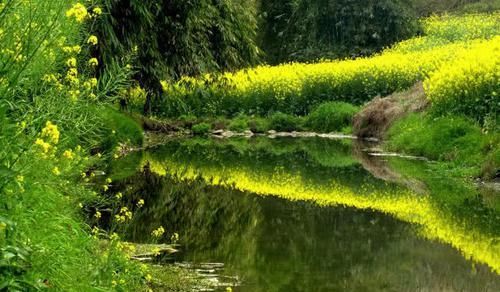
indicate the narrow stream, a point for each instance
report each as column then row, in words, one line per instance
column 311, row 215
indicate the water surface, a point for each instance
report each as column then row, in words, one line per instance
column 312, row 215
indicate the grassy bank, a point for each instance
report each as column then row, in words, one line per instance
column 456, row 58
column 57, row 128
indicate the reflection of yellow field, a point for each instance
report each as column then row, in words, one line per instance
column 404, row 205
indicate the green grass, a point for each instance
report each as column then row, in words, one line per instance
column 454, row 139
column 282, row 122
column 201, row 129
column 119, row 128
column 331, row 116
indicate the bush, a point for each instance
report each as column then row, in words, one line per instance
column 239, row 124
column 284, row 123
column 258, row 125
column 331, row 116
column 201, row 129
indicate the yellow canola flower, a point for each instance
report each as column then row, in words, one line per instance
column 140, row 203
column 158, row 232
column 44, row 146
column 97, row 11
column 93, row 62
column 68, row 154
column 51, row 132
column 56, row 171
column 92, row 40
column 71, row 62
column 78, row 11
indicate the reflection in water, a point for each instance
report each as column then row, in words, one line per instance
column 300, row 238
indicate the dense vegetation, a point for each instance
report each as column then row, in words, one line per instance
column 307, row 30
column 297, row 87
column 52, row 113
column 67, row 66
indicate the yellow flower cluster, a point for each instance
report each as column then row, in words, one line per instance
column 158, row 232
column 295, row 87
column 470, row 84
column 124, row 215
column 78, row 12
column 51, row 133
column 92, row 40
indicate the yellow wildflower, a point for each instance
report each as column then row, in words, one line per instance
column 45, row 147
column 148, row 278
column 97, row 215
column 97, row 11
column 92, row 40
column 74, row 94
column 140, row 203
column 78, row 11
column 105, row 187
column 175, row 237
column 56, row 171
column 118, row 195
column 71, row 62
column 51, row 132
column 109, row 180
column 158, row 232
column 68, row 154
column 20, row 178
column 93, row 62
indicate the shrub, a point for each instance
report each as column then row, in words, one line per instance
column 201, row 129
column 258, row 125
column 331, row 116
column 239, row 124
column 282, row 122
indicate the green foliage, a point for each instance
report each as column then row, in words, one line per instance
column 258, row 125
column 175, row 38
column 201, row 129
column 282, row 122
column 428, row 7
column 120, row 128
column 306, row 30
column 331, row 116
column 454, row 139
column 51, row 115
column 239, row 124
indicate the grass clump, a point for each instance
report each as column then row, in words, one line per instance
column 258, row 125
column 331, row 116
column 450, row 138
column 201, row 129
column 120, row 129
column 282, row 122
column 239, row 124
